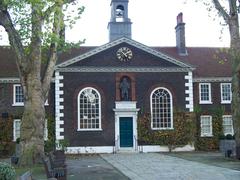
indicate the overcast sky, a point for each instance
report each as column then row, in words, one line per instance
column 153, row 23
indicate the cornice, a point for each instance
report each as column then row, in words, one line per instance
column 213, row 79
column 122, row 69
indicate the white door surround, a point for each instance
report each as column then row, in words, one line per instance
column 125, row 109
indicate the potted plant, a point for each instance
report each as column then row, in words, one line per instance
column 227, row 145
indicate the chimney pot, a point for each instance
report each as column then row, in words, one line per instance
column 180, row 18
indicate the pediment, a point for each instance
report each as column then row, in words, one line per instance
column 105, row 56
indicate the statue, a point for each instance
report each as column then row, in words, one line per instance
column 124, row 87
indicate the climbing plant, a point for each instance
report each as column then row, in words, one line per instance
column 182, row 134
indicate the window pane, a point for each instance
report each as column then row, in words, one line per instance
column 206, row 126
column 89, row 109
column 226, row 92
column 18, row 94
column 161, row 109
column 204, row 92
column 227, row 125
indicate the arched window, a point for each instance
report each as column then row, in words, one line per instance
column 161, row 109
column 89, row 109
column 119, row 11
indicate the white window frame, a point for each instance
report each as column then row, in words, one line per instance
column 226, row 101
column 171, row 109
column 14, row 96
column 21, row 103
column 228, row 116
column 19, row 120
column 209, row 134
column 209, row 94
column 100, row 109
column 14, row 128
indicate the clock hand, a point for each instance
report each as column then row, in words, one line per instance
column 125, row 54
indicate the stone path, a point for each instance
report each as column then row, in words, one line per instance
column 155, row 166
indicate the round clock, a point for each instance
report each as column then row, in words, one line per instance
column 124, row 54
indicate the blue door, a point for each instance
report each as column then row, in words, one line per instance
column 126, row 131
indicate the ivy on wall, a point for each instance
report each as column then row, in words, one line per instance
column 182, row 134
column 6, row 136
column 49, row 145
column 209, row 143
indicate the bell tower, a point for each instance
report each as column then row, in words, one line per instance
column 120, row 24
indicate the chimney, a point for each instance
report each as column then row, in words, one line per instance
column 180, row 35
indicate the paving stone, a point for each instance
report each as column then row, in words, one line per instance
column 155, row 166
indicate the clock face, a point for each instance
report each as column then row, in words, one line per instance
column 124, row 54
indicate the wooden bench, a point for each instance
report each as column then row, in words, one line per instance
column 58, row 172
column 26, row 176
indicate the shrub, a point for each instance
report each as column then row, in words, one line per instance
column 229, row 137
column 7, row 172
column 6, row 144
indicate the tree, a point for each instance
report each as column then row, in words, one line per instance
column 229, row 10
column 34, row 29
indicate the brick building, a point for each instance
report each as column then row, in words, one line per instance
column 99, row 93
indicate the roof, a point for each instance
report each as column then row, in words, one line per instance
column 209, row 62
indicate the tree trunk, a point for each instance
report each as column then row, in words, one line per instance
column 236, row 105
column 32, row 124
column 235, row 58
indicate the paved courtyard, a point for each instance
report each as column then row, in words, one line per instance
column 155, row 166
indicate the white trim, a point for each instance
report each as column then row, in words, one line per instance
column 209, row 94
column 89, row 149
column 212, row 79
column 123, row 69
column 14, row 96
column 171, row 110
column 14, row 128
column 209, row 134
column 10, row 80
column 226, row 101
column 59, row 115
column 111, row 149
column 130, row 42
column 164, row 148
column 189, row 91
column 100, row 109
column 125, row 109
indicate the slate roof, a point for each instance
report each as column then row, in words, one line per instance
column 207, row 61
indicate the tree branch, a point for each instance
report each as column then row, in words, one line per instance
column 221, row 10
column 14, row 39
column 51, row 9
column 58, row 21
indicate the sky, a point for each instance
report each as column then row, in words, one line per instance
column 153, row 21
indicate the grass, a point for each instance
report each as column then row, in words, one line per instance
column 38, row 172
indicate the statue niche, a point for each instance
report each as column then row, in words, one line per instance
column 125, row 88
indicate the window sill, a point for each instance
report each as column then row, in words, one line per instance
column 155, row 129
column 205, row 102
column 89, row 129
column 207, row 135
column 18, row 104
column 225, row 102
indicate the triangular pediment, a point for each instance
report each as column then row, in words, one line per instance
column 105, row 56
